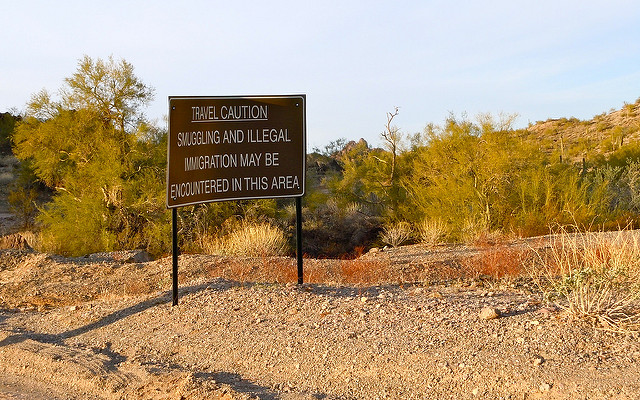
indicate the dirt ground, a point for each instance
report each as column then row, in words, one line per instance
column 102, row 327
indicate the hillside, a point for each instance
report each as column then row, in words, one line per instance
column 576, row 139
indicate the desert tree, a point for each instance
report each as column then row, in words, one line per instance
column 392, row 137
column 92, row 146
column 372, row 177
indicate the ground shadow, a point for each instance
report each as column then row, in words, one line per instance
column 163, row 298
column 237, row 383
column 218, row 284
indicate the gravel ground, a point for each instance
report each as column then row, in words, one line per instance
column 110, row 335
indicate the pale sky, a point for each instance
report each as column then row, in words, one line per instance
column 355, row 60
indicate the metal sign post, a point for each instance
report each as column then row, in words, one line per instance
column 235, row 148
column 174, row 254
column 299, row 238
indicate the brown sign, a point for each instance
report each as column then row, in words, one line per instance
column 232, row 148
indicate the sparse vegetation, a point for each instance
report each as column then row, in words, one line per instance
column 431, row 231
column 100, row 176
column 249, row 240
column 396, row 234
column 498, row 262
column 594, row 276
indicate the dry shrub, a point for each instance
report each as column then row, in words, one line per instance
column 278, row 270
column 498, row 262
column 46, row 301
column 284, row 270
column 317, row 273
column 478, row 233
column 431, row 232
column 361, row 272
column 333, row 231
column 260, row 269
column 248, row 240
column 138, row 287
column 595, row 276
column 31, row 238
column 396, row 234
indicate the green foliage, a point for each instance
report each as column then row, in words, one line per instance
column 370, row 179
column 472, row 173
column 75, row 226
column 104, row 164
column 105, row 167
column 485, row 178
column 22, row 203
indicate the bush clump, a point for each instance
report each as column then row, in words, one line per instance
column 396, row 234
column 595, row 276
column 259, row 239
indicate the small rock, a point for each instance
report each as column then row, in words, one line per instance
column 538, row 360
column 488, row 313
column 475, row 391
column 363, row 299
column 545, row 387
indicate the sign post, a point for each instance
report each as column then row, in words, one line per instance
column 235, row 148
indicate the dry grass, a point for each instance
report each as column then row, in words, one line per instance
column 248, row 240
column 397, row 234
column 594, row 276
column 284, row 270
column 431, row 232
column 139, row 287
column 479, row 234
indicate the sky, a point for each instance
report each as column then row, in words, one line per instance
column 355, row 60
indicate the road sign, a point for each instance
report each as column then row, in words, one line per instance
column 233, row 148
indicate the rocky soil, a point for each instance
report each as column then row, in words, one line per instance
column 102, row 327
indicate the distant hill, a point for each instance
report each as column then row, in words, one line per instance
column 574, row 139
